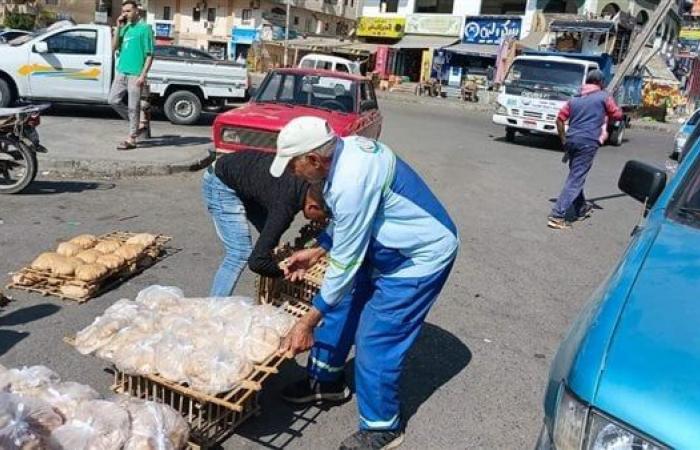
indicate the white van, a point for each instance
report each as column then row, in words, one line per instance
column 327, row 62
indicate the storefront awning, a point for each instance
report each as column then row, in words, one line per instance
column 582, row 26
column 483, row 50
column 656, row 67
column 357, row 48
column 416, row 41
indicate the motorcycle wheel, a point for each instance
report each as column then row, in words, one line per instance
column 18, row 165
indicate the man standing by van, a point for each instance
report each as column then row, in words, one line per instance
column 133, row 39
column 588, row 114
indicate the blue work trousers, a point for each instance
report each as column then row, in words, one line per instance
column 229, row 216
column 580, row 162
column 382, row 317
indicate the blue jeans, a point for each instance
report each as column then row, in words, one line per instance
column 228, row 213
column 580, row 162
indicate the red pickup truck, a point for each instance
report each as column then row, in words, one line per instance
column 346, row 101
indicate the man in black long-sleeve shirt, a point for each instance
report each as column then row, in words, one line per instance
column 238, row 188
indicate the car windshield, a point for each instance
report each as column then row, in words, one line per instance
column 22, row 39
column 685, row 204
column 316, row 91
column 545, row 76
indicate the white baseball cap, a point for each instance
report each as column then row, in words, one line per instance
column 299, row 137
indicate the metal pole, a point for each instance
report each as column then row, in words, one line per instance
column 286, row 33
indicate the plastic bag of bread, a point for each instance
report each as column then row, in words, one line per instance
column 127, row 336
column 160, row 298
column 97, row 425
column 66, row 397
column 272, row 317
column 155, row 426
column 26, row 424
column 90, row 272
column 89, row 256
column 27, row 380
column 84, row 241
column 111, row 261
column 144, row 239
column 138, row 358
column 259, row 343
column 171, row 352
column 100, row 332
column 68, row 249
column 129, row 251
column 215, row 369
column 107, row 246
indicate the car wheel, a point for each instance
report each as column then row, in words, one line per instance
column 183, row 108
column 510, row 134
column 5, row 94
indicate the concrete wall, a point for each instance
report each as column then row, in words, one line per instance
column 372, row 8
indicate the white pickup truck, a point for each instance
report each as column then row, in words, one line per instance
column 75, row 64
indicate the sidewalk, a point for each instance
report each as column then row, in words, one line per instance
column 82, row 141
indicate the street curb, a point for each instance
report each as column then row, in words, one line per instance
column 482, row 108
column 118, row 169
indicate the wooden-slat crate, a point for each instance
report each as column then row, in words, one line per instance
column 282, row 291
column 212, row 418
column 50, row 284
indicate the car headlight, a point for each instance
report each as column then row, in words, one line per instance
column 577, row 427
column 230, row 136
column 569, row 422
column 607, row 434
column 501, row 110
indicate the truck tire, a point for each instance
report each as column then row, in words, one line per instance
column 617, row 136
column 183, row 108
column 510, row 134
column 5, row 94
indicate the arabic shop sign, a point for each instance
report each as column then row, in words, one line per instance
column 381, row 27
column 437, row 24
column 490, row 30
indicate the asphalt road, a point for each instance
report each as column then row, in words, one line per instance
column 475, row 379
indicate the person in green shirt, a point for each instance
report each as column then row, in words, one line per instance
column 133, row 40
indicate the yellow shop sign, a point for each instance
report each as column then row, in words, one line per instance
column 381, row 27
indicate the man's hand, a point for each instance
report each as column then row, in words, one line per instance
column 301, row 336
column 295, row 266
column 140, row 81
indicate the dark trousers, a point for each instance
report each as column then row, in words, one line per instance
column 580, row 162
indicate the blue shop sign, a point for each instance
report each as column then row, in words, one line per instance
column 164, row 29
column 245, row 35
column 482, row 30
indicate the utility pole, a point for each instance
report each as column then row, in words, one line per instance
column 286, row 33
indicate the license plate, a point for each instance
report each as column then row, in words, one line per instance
column 530, row 123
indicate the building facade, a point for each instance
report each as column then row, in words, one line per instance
column 229, row 28
column 80, row 11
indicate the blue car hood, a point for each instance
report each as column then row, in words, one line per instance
column 651, row 373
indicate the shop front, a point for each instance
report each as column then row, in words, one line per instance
column 474, row 58
column 424, row 34
column 242, row 38
column 382, row 33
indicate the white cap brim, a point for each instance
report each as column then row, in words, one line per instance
column 278, row 165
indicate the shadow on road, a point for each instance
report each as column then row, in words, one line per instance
column 540, row 142
column 9, row 338
column 171, row 140
column 43, row 187
column 594, row 201
column 437, row 357
column 106, row 112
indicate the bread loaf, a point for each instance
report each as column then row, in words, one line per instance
column 90, row 272
column 129, row 251
column 84, row 241
column 68, row 249
column 144, row 239
column 89, row 256
column 107, row 246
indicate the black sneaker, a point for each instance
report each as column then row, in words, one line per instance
column 585, row 212
column 309, row 390
column 373, row 440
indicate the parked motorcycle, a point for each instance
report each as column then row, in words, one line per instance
column 19, row 144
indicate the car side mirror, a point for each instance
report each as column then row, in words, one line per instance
column 642, row 182
column 41, row 47
column 367, row 105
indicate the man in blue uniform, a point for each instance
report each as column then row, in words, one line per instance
column 391, row 247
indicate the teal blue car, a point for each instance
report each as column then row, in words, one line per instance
column 627, row 376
